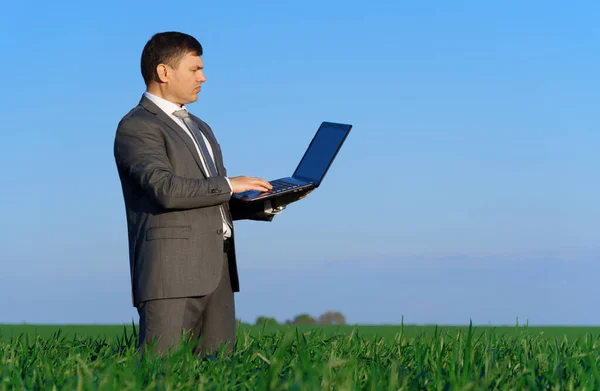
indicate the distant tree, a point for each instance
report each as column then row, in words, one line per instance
column 304, row 319
column 265, row 320
column 331, row 317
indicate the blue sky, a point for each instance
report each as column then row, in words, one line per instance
column 466, row 190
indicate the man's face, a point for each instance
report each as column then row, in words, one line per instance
column 184, row 82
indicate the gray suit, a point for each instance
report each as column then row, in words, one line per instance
column 175, row 227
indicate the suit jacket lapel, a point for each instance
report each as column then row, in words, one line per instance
column 210, row 136
column 218, row 155
column 213, row 143
column 161, row 115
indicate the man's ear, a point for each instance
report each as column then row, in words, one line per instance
column 162, row 72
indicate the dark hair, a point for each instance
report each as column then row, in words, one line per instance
column 166, row 48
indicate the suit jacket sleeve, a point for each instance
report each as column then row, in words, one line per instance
column 140, row 155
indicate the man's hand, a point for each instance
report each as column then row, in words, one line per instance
column 241, row 184
column 283, row 201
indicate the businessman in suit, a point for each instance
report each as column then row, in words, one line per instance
column 179, row 206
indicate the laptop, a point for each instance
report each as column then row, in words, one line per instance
column 312, row 168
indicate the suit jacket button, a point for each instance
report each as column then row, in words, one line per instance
column 220, row 231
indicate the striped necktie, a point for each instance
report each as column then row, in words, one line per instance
column 205, row 155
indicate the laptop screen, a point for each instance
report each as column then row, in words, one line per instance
column 321, row 152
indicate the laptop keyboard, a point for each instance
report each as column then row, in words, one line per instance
column 279, row 186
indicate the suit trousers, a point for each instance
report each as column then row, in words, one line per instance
column 208, row 322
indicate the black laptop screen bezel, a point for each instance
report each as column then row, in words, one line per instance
column 346, row 128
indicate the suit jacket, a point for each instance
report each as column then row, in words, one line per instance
column 174, row 222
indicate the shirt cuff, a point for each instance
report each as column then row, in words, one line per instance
column 230, row 187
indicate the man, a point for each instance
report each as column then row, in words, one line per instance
column 179, row 205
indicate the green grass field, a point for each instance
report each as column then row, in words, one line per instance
column 387, row 332
column 308, row 358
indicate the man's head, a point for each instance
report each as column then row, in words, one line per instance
column 172, row 66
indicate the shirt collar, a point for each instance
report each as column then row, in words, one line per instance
column 165, row 105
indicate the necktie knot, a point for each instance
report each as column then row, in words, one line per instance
column 181, row 114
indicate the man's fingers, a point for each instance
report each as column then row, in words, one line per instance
column 261, row 187
column 264, row 185
column 246, row 183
